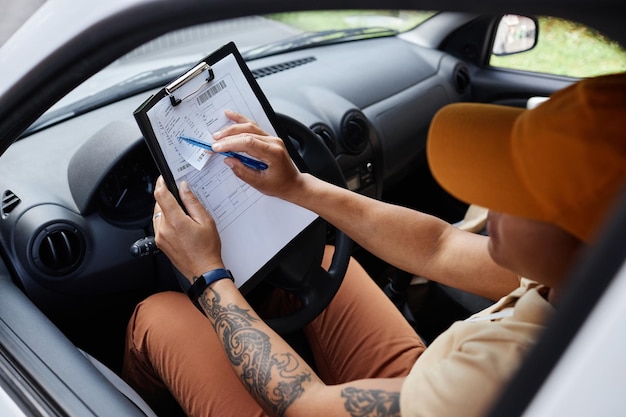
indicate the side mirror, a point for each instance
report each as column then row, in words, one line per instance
column 515, row 34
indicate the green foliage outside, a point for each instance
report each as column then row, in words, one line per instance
column 399, row 20
column 569, row 49
column 564, row 48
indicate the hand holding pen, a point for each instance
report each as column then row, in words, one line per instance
column 282, row 179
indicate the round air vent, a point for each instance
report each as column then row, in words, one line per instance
column 354, row 132
column 58, row 249
column 326, row 134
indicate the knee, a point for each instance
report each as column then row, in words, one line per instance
column 162, row 310
column 162, row 304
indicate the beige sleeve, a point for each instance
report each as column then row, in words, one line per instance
column 463, row 371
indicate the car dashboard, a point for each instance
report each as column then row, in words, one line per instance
column 78, row 194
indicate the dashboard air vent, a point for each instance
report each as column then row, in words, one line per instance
column 273, row 69
column 9, row 202
column 327, row 136
column 58, row 249
column 461, row 79
column 354, row 132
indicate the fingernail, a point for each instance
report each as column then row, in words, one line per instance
column 184, row 187
column 217, row 134
column 229, row 162
column 216, row 146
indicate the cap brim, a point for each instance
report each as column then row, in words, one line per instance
column 469, row 152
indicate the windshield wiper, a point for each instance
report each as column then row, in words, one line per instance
column 135, row 85
column 310, row 39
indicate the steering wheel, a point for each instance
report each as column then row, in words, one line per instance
column 299, row 270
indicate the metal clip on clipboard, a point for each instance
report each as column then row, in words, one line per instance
column 185, row 78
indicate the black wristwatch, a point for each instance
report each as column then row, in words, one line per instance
column 200, row 283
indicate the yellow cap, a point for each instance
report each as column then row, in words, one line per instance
column 563, row 162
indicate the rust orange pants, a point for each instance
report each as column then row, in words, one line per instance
column 171, row 348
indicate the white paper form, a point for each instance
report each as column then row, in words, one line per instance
column 253, row 227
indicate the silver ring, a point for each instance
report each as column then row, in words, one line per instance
column 157, row 215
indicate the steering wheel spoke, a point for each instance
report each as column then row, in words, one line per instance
column 299, row 269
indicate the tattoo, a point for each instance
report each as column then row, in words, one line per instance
column 371, row 403
column 250, row 351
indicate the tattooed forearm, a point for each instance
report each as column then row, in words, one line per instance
column 274, row 378
column 371, row 403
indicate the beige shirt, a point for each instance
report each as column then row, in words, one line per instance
column 464, row 369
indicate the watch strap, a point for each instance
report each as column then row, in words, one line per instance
column 201, row 282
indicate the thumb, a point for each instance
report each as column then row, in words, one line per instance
column 194, row 207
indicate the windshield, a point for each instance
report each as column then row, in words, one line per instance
column 154, row 64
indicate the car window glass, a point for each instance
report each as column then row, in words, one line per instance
column 567, row 48
column 313, row 21
column 164, row 58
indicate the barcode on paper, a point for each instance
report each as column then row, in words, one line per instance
column 211, row 92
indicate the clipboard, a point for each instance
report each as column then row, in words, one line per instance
column 254, row 228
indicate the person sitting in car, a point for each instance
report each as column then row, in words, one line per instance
column 549, row 177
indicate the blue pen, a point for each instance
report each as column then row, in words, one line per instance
column 249, row 162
